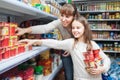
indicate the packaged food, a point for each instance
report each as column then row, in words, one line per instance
column 38, row 72
column 13, row 40
column 13, row 27
column 87, row 63
column 45, row 55
column 92, row 64
column 91, row 56
column 96, row 54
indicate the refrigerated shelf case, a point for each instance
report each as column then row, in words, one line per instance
column 24, row 12
column 54, row 72
column 14, row 61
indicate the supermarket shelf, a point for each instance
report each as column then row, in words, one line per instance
column 112, row 51
column 54, row 73
column 61, row 1
column 103, row 19
column 98, row 11
column 80, row 1
column 22, row 10
column 14, row 61
column 105, row 29
column 106, row 40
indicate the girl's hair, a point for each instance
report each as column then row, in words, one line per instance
column 87, row 35
column 70, row 10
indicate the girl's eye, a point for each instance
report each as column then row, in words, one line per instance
column 78, row 27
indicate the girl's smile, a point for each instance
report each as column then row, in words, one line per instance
column 77, row 29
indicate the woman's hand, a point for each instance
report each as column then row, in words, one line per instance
column 21, row 31
column 30, row 42
column 66, row 53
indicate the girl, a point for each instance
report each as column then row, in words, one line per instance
column 68, row 12
column 78, row 47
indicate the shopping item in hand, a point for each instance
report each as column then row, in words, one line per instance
column 92, row 59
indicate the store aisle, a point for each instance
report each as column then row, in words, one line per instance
column 60, row 75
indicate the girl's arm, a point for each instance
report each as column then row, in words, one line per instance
column 106, row 59
column 51, row 43
column 58, row 44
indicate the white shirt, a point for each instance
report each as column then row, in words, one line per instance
column 76, row 52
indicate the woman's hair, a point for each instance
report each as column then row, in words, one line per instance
column 70, row 10
column 87, row 35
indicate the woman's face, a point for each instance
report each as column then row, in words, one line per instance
column 77, row 29
column 66, row 20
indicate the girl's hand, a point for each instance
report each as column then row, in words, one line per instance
column 96, row 71
column 30, row 42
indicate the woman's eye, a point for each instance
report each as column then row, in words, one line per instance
column 67, row 16
column 62, row 15
column 73, row 28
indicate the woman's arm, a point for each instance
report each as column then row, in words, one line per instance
column 39, row 29
column 45, row 28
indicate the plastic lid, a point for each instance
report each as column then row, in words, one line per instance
column 38, row 69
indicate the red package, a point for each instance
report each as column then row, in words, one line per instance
column 13, row 26
column 92, row 64
column 1, row 52
column 96, row 54
column 87, row 63
column 6, row 54
column 91, row 56
column 86, row 55
column 4, row 28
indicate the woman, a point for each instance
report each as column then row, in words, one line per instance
column 81, row 48
column 68, row 12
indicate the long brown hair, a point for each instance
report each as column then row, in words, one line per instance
column 87, row 35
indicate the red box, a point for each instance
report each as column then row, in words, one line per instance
column 47, row 64
column 96, row 54
column 4, row 28
column 13, row 26
column 13, row 40
column 5, row 41
column 2, row 50
column 91, row 55
column 13, row 51
column 0, row 56
column 21, row 48
column 6, row 53
column 86, row 55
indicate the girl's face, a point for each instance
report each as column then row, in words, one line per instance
column 77, row 29
column 66, row 20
